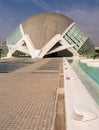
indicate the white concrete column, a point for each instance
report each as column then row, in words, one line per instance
column 33, row 52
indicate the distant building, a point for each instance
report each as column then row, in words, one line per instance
column 48, row 35
column 0, row 49
column 96, row 53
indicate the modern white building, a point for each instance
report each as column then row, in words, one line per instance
column 48, row 35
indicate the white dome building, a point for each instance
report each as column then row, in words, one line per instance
column 48, row 35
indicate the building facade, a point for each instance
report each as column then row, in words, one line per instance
column 46, row 35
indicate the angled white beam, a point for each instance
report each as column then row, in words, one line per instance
column 68, row 29
column 65, row 45
column 13, row 48
column 28, row 49
column 49, row 45
column 23, row 49
column 17, row 48
column 61, row 48
column 30, row 46
column 22, row 30
column 71, row 49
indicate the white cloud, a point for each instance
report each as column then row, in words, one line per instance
column 7, row 23
column 19, row 1
column 42, row 4
column 97, row 1
column 87, row 20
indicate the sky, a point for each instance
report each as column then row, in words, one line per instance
column 84, row 12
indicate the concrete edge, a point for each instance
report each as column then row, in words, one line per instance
column 81, row 110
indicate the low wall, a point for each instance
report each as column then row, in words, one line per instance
column 82, row 113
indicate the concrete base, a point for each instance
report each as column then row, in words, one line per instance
column 82, row 112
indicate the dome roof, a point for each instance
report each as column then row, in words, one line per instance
column 42, row 27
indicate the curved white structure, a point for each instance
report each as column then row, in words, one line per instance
column 48, row 34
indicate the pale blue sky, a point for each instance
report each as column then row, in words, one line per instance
column 83, row 12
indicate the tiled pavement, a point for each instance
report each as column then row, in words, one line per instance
column 28, row 96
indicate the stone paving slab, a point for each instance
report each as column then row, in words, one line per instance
column 28, row 100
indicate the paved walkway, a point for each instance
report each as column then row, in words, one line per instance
column 28, row 96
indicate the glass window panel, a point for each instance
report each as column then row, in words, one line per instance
column 74, row 47
column 69, row 34
column 15, row 36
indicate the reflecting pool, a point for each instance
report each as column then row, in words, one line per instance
column 89, row 77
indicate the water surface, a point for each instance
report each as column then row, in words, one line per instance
column 89, row 77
